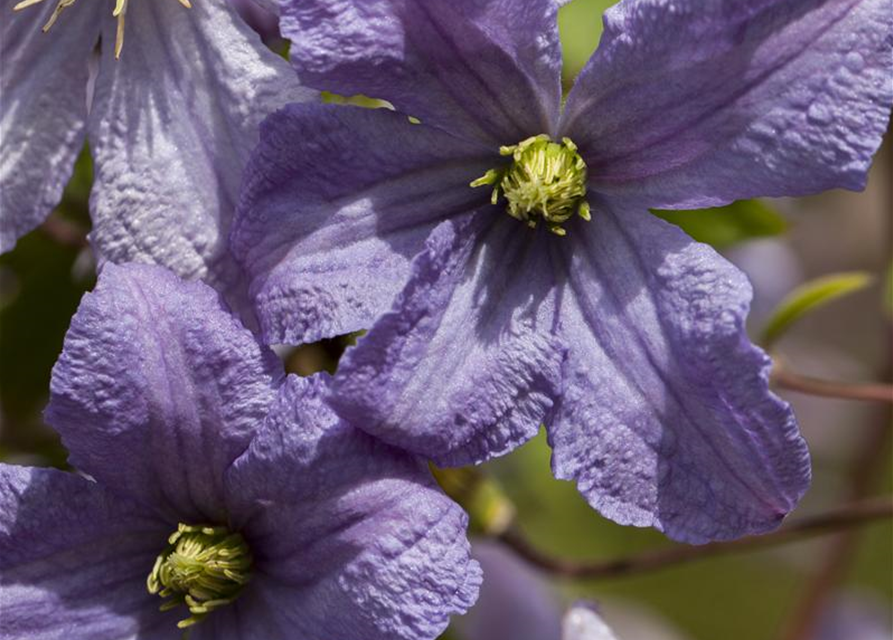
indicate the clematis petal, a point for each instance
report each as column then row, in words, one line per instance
column 854, row 615
column 74, row 560
column 336, row 202
column 251, row 616
column 582, row 622
column 489, row 69
column 270, row 6
column 666, row 419
column 43, row 110
column 263, row 17
column 465, row 366
column 693, row 104
column 516, row 600
column 354, row 538
column 159, row 389
column 173, row 123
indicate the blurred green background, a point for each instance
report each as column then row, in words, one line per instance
column 748, row 597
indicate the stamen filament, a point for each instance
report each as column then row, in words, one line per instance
column 63, row 4
column 25, row 3
column 119, row 12
column 119, row 32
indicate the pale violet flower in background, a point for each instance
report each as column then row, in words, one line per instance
column 855, row 615
column 216, row 489
column 170, row 123
column 532, row 284
column 515, row 602
column 584, row 623
column 774, row 270
column 518, row 602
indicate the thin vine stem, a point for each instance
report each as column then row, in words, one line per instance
column 873, row 392
column 843, row 517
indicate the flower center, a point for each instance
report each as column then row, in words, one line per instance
column 203, row 568
column 546, row 180
column 119, row 12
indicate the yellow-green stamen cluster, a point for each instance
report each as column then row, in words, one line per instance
column 545, row 181
column 203, row 568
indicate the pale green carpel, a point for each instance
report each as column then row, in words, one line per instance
column 545, row 181
column 203, row 568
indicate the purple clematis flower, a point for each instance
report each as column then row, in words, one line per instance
column 578, row 309
column 171, row 123
column 233, row 493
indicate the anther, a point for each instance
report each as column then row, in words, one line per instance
column 545, row 181
column 203, row 568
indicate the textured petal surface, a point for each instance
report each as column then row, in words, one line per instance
column 694, row 103
column 173, row 123
column 487, row 68
column 354, row 539
column 666, row 418
column 335, row 204
column 465, row 366
column 74, row 560
column 43, row 110
column 159, row 389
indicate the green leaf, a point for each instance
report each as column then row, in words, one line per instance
column 723, row 227
column 490, row 511
column 888, row 290
column 358, row 100
column 808, row 297
column 580, row 25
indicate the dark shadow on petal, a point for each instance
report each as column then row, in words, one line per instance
column 81, row 557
